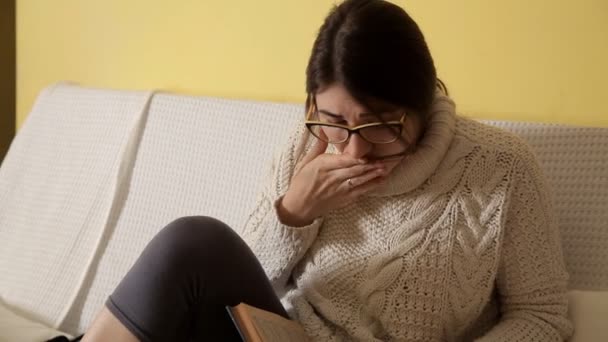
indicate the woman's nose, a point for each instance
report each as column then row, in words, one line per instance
column 357, row 147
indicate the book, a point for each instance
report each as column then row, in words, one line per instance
column 257, row 325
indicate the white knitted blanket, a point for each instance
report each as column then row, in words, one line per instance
column 57, row 188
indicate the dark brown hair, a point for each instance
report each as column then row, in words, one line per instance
column 377, row 52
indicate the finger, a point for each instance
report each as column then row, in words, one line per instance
column 339, row 161
column 373, row 184
column 318, row 148
column 366, row 177
column 355, row 171
column 351, row 185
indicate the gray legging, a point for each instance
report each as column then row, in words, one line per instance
column 178, row 288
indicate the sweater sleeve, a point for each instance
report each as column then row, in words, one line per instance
column 532, row 280
column 277, row 246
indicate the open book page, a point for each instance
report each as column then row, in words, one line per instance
column 269, row 326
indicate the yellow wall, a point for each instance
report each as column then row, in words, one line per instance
column 533, row 60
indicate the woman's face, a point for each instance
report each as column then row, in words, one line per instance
column 336, row 105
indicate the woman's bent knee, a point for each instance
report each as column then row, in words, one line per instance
column 196, row 230
column 195, row 238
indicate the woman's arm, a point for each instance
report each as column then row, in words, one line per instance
column 277, row 245
column 532, row 281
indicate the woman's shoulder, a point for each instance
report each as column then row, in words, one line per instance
column 494, row 140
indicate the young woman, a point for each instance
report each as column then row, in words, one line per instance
column 387, row 217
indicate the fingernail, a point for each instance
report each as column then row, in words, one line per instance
column 362, row 160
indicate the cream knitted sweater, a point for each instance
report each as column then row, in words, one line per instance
column 461, row 244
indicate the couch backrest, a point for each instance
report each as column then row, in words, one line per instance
column 575, row 162
column 57, row 187
column 197, row 156
column 208, row 156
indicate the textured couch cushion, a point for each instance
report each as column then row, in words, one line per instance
column 575, row 161
column 14, row 327
column 589, row 312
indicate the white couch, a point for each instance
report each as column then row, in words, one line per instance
column 93, row 174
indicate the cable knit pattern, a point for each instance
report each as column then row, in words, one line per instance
column 460, row 244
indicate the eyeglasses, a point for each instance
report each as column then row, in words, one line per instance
column 375, row 133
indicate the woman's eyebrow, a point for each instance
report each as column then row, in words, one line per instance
column 338, row 116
